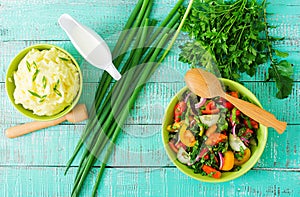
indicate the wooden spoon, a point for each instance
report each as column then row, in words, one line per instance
column 207, row 85
column 78, row 114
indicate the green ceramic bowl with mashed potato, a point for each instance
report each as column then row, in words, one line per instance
column 43, row 82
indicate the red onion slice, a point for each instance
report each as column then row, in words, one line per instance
column 245, row 140
column 221, row 160
column 187, row 97
column 233, row 130
column 201, row 103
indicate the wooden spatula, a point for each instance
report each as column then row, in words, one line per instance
column 78, row 114
column 207, row 85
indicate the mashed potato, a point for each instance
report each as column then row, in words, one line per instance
column 46, row 82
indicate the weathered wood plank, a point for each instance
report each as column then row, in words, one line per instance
column 154, row 98
column 171, row 70
column 33, row 165
column 36, row 25
column 98, row 14
column 30, row 181
column 138, row 145
column 102, row 19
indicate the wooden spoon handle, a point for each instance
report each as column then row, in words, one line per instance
column 258, row 114
column 23, row 129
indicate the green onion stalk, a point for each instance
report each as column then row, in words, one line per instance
column 109, row 113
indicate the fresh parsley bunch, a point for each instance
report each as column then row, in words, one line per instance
column 234, row 35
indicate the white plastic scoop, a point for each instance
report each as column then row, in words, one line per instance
column 89, row 44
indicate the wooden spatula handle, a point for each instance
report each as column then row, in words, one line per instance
column 258, row 114
column 23, row 129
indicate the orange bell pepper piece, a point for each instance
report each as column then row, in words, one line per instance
column 210, row 170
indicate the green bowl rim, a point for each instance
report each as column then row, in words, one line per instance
column 183, row 168
column 19, row 107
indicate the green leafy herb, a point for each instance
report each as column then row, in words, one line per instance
column 281, row 54
column 280, row 71
column 44, row 80
column 28, row 66
column 231, row 37
column 56, row 90
column 35, row 74
column 236, row 168
column 64, row 59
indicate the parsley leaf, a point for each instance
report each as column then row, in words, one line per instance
column 232, row 37
column 281, row 72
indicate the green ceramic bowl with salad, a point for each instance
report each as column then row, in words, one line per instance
column 209, row 139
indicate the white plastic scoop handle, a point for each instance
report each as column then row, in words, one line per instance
column 89, row 44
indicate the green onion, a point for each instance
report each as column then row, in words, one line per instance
column 128, row 25
column 28, row 66
column 138, row 52
column 35, row 65
column 173, row 15
column 106, row 79
column 56, row 84
column 38, row 96
column 44, row 81
column 34, row 94
column 108, row 114
column 56, row 91
column 64, row 59
column 122, row 119
column 35, row 74
column 43, row 98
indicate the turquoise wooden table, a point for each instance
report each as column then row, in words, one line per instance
column 33, row 165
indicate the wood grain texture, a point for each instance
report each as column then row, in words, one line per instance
column 37, row 31
column 33, row 165
column 170, row 65
column 138, row 145
column 154, row 99
column 154, row 182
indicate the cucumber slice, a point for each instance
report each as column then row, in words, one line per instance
column 183, row 156
column 236, row 143
column 209, row 120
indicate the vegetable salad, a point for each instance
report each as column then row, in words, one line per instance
column 211, row 136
